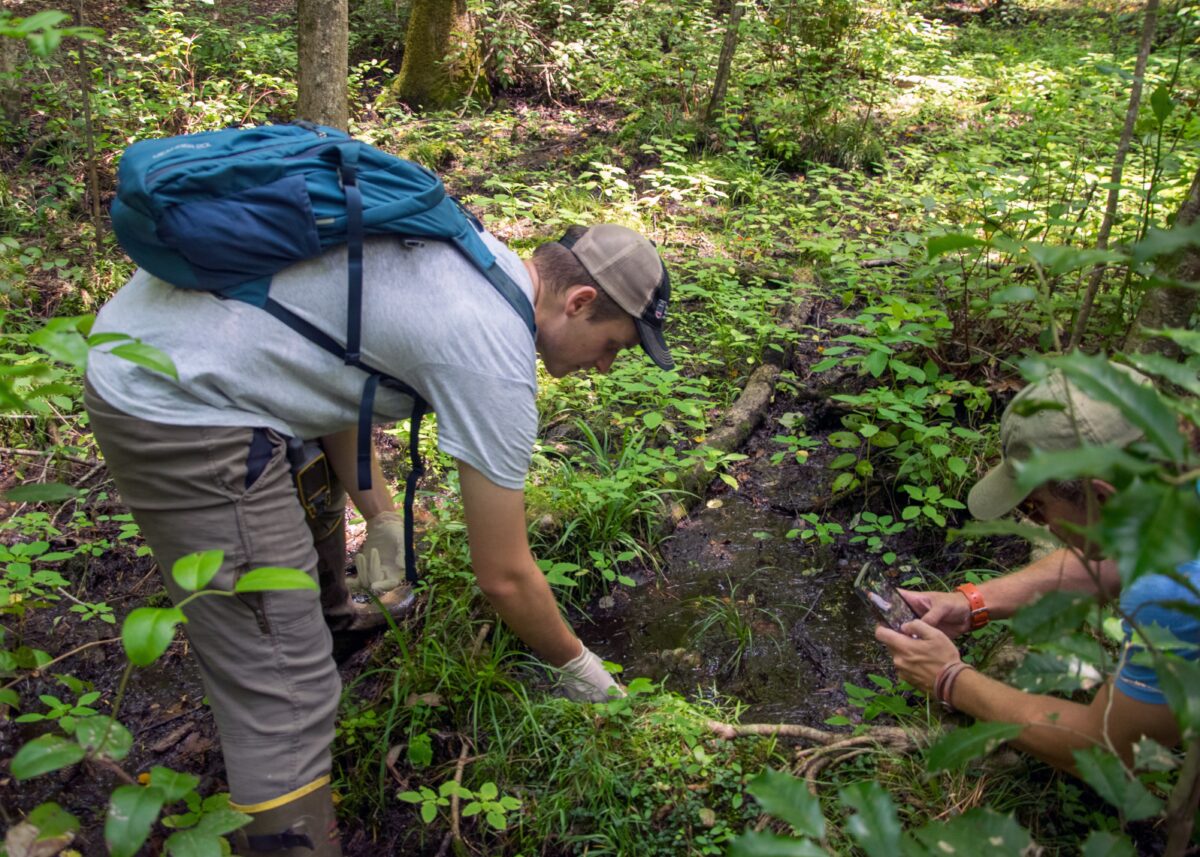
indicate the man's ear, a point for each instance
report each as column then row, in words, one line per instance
column 579, row 298
column 1104, row 491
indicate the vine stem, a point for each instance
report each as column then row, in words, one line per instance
column 1181, row 806
column 63, row 657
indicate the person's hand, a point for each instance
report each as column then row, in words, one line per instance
column 380, row 560
column 949, row 612
column 918, row 661
column 584, row 679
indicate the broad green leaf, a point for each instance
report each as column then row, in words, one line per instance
column 1042, row 672
column 788, row 799
column 961, row 746
column 842, row 461
column 1051, row 615
column 132, row 811
column 652, row 419
column 947, row 243
column 60, row 338
column 1012, row 295
column 1189, row 340
column 1104, row 772
column 844, row 440
column 148, row 631
column 1149, row 755
column 264, row 579
column 1101, row 843
column 875, row 825
column 1097, row 462
column 44, row 754
column 147, row 356
column 1176, row 373
column 173, row 784
column 91, row 731
column 218, row 822
column 1147, row 526
column 194, row 571
column 1004, row 527
column 192, row 843
column 1140, row 404
column 10, row 697
column 1165, row 242
column 1179, row 681
column 52, row 820
column 771, row 845
column 976, row 833
column 1161, row 103
column 41, row 492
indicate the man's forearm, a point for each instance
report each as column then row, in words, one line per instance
column 1054, row 728
column 342, row 451
column 1059, row 570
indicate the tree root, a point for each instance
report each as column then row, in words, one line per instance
column 832, row 748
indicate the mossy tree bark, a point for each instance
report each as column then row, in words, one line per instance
column 441, row 56
column 1171, row 306
column 323, row 48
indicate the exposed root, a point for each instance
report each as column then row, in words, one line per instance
column 455, row 831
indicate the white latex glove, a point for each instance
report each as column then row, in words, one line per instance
column 380, row 560
column 584, row 679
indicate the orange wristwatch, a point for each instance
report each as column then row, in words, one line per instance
column 979, row 613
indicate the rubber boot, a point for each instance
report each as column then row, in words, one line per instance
column 304, row 826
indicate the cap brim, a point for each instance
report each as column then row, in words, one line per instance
column 996, row 494
column 654, row 345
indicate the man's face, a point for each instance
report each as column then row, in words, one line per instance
column 571, row 341
column 1064, row 517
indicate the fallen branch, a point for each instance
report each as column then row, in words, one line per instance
column 892, row 736
column 455, row 831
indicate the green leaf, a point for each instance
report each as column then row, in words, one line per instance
column 1165, row 242
column 955, row 750
column 948, row 243
column 788, row 799
column 52, row 821
column 148, row 631
column 1042, row 672
column 91, row 731
column 1161, row 103
column 844, row 440
column 976, row 833
column 194, row 571
column 1138, row 403
column 1164, row 367
column 874, row 826
column 1096, row 462
column 147, row 356
column 652, row 419
column 1147, row 526
column 1101, row 843
column 222, row 820
column 41, row 492
column 771, row 845
column 842, row 461
column 428, row 811
column 1104, row 772
column 497, row 820
column 173, row 784
column 10, row 697
column 1013, row 295
column 265, row 579
column 1179, row 680
column 132, row 811
column 192, row 843
column 44, row 754
column 1052, row 614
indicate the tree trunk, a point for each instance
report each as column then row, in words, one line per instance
column 1110, row 209
column 1171, row 306
column 12, row 52
column 323, row 49
column 441, row 57
column 723, row 64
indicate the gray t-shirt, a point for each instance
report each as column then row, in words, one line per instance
column 429, row 318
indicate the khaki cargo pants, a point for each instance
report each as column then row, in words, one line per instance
column 265, row 658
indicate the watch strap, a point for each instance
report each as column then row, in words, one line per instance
column 979, row 611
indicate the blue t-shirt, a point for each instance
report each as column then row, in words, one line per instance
column 1143, row 600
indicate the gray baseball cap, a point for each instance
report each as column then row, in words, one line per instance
column 1070, row 421
column 629, row 269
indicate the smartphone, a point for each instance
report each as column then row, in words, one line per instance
column 881, row 597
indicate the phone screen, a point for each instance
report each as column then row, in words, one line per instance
column 882, row 597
